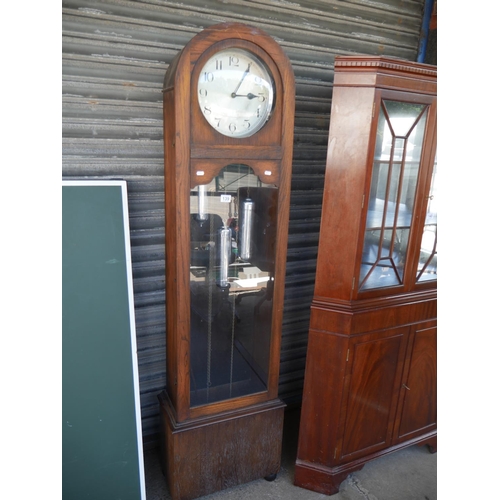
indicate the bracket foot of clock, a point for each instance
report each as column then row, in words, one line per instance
column 271, row 477
column 209, row 454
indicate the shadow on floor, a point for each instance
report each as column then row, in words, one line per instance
column 408, row 474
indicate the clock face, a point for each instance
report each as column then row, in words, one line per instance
column 235, row 92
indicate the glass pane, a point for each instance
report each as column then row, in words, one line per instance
column 427, row 264
column 396, row 163
column 233, row 228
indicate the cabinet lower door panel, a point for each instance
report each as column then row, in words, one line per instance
column 419, row 412
column 372, row 391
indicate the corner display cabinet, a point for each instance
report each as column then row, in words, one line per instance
column 228, row 100
column 370, row 380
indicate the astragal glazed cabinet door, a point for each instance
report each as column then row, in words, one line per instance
column 396, row 204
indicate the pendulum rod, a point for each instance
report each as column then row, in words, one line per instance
column 232, row 348
column 209, row 315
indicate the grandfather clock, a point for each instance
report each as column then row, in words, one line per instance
column 370, row 378
column 228, row 100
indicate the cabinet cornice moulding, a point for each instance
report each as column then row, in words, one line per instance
column 371, row 63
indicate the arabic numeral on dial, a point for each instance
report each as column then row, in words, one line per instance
column 258, row 80
column 218, row 64
column 203, row 92
column 207, row 110
column 234, row 61
column 232, row 128
column 261, row 97
column 217, row 122
column 248, row 124
column 208, row 77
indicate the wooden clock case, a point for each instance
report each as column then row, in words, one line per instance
column 370, row 380
column 209, row 447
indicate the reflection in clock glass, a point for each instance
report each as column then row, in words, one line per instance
column 233, row 225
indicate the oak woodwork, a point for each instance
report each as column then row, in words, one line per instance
column 370, row 377
column 208, row 447
column 206, row 454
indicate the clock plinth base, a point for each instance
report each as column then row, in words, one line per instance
column 213, row 453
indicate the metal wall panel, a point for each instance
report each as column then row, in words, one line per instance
column 115, row 55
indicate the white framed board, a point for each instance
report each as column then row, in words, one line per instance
column 102, row 455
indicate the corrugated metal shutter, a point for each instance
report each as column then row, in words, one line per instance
column 115, row 54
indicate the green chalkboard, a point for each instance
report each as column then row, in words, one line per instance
column 102, row 456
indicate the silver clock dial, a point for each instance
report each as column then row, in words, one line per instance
column 235, row 92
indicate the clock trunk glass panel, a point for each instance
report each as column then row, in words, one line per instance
column 232, row 258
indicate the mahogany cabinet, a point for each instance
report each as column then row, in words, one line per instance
column 370, row 380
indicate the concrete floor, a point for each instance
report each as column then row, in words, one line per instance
column 408, row 474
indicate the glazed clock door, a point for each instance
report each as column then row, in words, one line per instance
column 232, row 263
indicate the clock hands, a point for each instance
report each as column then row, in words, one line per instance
column 241, row 81
column 250, row 95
